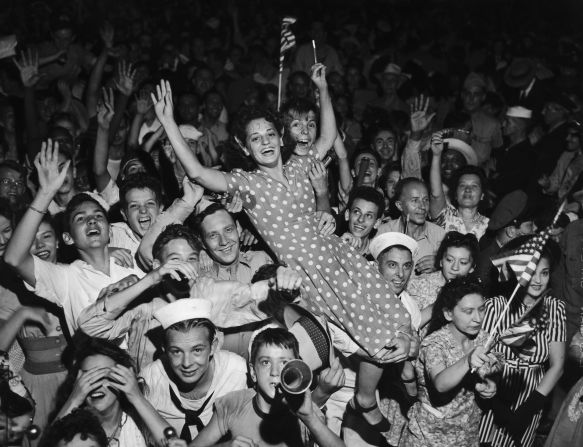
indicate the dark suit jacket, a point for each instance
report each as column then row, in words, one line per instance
column 514, row 166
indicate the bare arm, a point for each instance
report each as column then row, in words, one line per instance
column 209, row 435
column 164, row 107
column 328, row 129
column 343, row 164
column 50, row 179
column 107, row 34
column 437, row 198
column 448, row 378
column 9, row 328
column 101, row 153
column 143, row 104
column 556, row 366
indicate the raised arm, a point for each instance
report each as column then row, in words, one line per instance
column 420, row 121
column 143, row 104
column 10, row 328
column 107, row 34
column 163, row 105
column 50, row 179
column 328, row 129
column 28, row 67
column 176, row 213
column 101, row 153
column 343, row 163
column 124, row 82
column 437, row 196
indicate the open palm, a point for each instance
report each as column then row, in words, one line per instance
column 47, row 165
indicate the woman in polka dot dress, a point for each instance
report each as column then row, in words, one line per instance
column 279, row 199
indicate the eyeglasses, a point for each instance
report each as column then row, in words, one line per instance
column 10, row 182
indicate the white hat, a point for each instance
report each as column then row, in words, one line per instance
column 394, row 69
column 189, row 132
column 519, row 112
column 183, row 310
column 463, row 148
column 383, row 241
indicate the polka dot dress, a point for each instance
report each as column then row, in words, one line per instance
column 336, row 280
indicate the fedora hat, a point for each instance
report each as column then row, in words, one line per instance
column 520, row 72
column 313, row 337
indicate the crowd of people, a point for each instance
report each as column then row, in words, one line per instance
column 372, row 238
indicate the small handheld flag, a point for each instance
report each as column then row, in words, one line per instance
column 287, row 42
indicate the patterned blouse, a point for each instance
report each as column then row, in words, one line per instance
column 450, row 220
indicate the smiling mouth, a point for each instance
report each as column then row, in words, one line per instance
column 43, row 254
column 188, row 373
column 97, row 395
column 144, row 220
column 268, row 152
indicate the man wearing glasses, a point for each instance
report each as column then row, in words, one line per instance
column 13, row 183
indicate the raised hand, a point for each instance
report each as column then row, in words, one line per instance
column 319, row 76
column 162, row 100
column 191, row 192
column 124, row 81
column 143, row 102
column 64, row 89
column 47, row 165
column 332, row 378
column 105, row 108
column 233, row 203
column 437, row 143
column 28, row 67
column 419, row 118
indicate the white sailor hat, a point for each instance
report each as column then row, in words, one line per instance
column 183, row 310
column 385, row 240
column 519, row 112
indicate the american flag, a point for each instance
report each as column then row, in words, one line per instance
column 288, row 40
column 524, row 259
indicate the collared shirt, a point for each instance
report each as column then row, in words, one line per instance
column 75, row 286
column 122, row 236
column 234, row 304
column 525, row 92
column 230, row 374
column 413, row 309
column 242, row 270
column 429, row 239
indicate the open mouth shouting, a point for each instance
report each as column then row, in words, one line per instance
column 42, row 254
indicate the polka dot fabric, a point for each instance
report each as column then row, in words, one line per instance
column 337, row 281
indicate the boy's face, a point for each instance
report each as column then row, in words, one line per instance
column 141, row 210
column 177, row 250
column 303, row 130
column 362, row 217
column 189, row 354
column 78, row 441
column 221, row 237
column 266, row 369
column 89, row 227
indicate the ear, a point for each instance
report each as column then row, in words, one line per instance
column 242, row 146
column 510, row 232
column 68, row 239
column 399, row 205
column 155, row 264
column 252, row 373
column 346, row 215
column 214, row 345
column 448, row 314
column 123, row 214
column 377, row 223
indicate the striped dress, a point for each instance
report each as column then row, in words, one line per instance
column 521, row 377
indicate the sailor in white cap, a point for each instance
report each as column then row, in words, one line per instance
column 517, row 160
column 192, row 373
column 394, row 254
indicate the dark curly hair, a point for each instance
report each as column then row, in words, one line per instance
column 449, row 295
column 79, row 422
column 457, row 240
column 239, row 130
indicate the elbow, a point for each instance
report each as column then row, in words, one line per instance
column 11, row 258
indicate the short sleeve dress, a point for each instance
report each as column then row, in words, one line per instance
column 337, row 281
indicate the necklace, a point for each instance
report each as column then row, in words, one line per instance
column 113, row 440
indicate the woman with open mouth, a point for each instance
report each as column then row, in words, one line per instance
column 102, row 379
column 279, row 199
